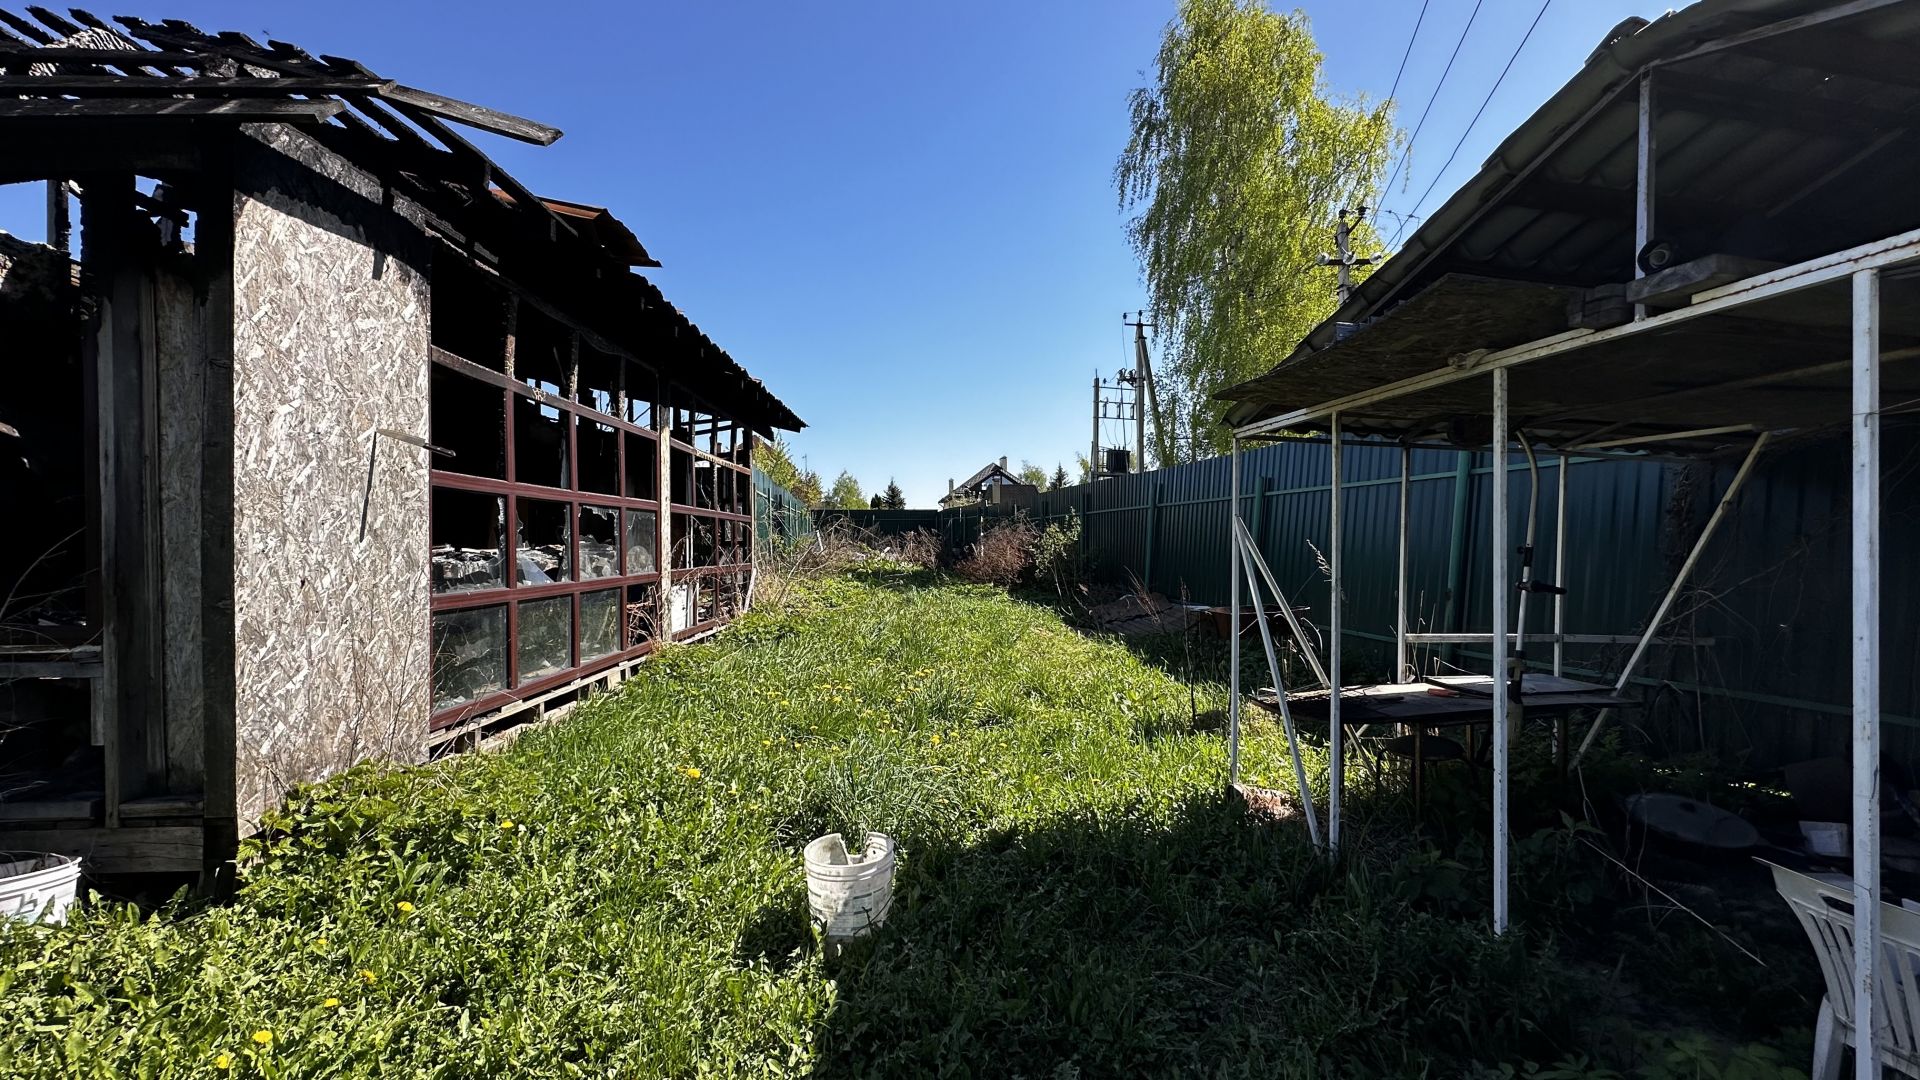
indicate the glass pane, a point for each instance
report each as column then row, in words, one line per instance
column 641, row 542
column 546, row 637
column 469, row 655
column 599, row 624
column 469, row 541
column 599, row 542
column 542, row 543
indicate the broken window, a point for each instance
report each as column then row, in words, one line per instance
column 468, row 311
column 545, row 635
column 682, row 475
column 469, row 541
column 599, row 624
column 599, row 542
column 542, row 352
column 643, row 614
column 468, row 417
column 599, row 380
column 540, row 444
column 599, row 446
column 642, row 390
column 643, row 467
column 542, row 542
column 469, row 655
column 641, row 542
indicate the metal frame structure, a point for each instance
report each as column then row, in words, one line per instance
column 1753, row 348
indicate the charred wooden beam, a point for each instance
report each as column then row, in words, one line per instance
column 169, row 108
column 184, row 85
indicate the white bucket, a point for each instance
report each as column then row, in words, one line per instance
column 38, row 888
column 849, row 894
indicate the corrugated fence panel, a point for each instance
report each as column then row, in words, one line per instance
column 778, row 514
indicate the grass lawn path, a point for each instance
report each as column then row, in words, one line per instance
column 620, row 894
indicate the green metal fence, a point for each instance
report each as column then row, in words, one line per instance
column 779, row 517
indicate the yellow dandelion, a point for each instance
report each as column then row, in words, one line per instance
column 766, row 742
column 322, row 942
column 263, row 1037
column 369, row 977
column 936, row 738
column 692, row 773
column 405, row 906
column 223, row 1061
column 507, row 825
column 330, row 1003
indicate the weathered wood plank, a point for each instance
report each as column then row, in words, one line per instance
column 168, row 109
column 189, row 84
column 479, row 116
column 156, row 849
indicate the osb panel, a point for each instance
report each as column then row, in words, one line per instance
column 179, row 317
column 330, row 530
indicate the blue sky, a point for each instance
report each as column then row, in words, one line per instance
column 900, row 216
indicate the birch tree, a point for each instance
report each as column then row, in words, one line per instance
column 1239, row 162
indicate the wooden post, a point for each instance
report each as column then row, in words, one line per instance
column 121, row 353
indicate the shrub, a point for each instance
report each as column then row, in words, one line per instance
column 1004, row 555
column 920, row 548
column 1056, row 553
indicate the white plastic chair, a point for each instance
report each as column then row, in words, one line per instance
column 1825, row 911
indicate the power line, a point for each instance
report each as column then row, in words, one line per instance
column 1442, row 171
column 1415, row 36
column 1405, row 153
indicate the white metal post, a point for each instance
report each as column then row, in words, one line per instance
column 1247, row 560
column 1679, row 582
column 1336, row 744
column 1233, row 619
column 1312, row 658
column 1402, row 661
column 1643, row 183
column 1500, row 587
column 1866, row 672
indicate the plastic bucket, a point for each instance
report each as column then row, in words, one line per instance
column 849, row 895
column 38, row 888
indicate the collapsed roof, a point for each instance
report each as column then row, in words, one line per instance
column 57, row 71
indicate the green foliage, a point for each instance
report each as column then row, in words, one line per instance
column 775, row 458
column 846, row 494
column 620, row 894
column 1030, row 473
column 1056, row 553
column 1239, row 162
column 1059, row 479
column 892, row 498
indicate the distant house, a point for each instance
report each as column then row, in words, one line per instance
column 993, row 484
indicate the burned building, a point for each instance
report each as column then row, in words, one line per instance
column 333, row 443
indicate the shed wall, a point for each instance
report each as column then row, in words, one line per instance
column 331, row 518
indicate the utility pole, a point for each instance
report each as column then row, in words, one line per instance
column 1143, row 383
column 1343, row 244
column 1093, row 453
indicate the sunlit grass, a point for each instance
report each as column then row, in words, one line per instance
column 620, row 894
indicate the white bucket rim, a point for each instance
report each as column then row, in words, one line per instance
column 50, row 863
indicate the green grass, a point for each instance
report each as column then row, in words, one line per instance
column 621, row 894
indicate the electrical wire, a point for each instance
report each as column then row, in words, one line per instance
column 1415, row 137
column 1415, row 36
column 1484, row 102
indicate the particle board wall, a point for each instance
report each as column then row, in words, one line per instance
column 330, row 518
